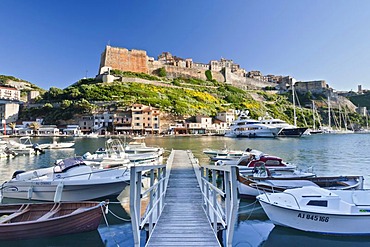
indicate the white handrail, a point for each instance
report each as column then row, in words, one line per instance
column 212, row 194
column 156, row 191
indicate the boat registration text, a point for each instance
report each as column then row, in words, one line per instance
column 313, row 217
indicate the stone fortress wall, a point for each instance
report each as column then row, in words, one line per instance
column 124, row 59
column 223, row 70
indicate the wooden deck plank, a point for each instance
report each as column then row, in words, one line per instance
column 183, row 221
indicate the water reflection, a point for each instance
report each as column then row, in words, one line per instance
column 282, row 236
column 329, row 154
column 92, row 238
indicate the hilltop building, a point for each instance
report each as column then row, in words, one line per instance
column 223, row 70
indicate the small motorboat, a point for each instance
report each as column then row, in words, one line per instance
column 248, row 163
column 252, row 186
column 57, row 145
column 230, row 155
column 23, row 221
column 68, row 180
column 138, row 146
column 114, row 155
column 314, row 209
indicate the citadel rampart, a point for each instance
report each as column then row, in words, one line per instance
column 124, row 59
column 137, row 61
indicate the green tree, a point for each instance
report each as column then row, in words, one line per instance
column 54, row 92
column 208, row 74
column 12, row 126
column 162, row 72
column 35, row 126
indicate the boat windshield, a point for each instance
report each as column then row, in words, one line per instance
column 64, row 165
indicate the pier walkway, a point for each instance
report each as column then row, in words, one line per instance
column 183, row 221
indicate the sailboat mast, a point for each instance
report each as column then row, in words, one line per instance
column 294, row 113
column 329, row 112
column 313, row 114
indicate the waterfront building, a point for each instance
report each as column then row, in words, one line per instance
column 139, row 119
column 145, row 119
column 72, row 130
column 226, row 116
column 86, row 124
column 9, row 111
column 48, row 130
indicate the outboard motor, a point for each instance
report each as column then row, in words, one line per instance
column 37, row 148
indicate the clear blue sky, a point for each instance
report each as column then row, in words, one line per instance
column 56, row 43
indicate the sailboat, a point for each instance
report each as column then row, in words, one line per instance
column 288, row 130
column 337, row 121
column 315, row 130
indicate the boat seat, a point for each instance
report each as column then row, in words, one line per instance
column 51, row 213
column 22, row 210
column 79, row 210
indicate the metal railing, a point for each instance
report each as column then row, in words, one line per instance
column 155, row 194
column 220, row 197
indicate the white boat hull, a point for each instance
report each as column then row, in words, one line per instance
column 71, row 190
column 358, row 224
column 264, row 133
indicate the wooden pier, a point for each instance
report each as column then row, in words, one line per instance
column 186, row 206
column 183, row 221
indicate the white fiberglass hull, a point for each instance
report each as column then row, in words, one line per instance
column 262, row 133
column 340, row 224
column 69, row 190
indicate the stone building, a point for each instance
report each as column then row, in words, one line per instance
column 318, row 86
column 124, row 59
column 223, row 70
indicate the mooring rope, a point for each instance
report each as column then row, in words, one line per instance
column 106, row 222
column 118, row 217
column 251, row 211
column 253, row 203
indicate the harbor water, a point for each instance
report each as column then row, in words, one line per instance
column 346, row 154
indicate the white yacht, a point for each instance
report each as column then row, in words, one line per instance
column 288, row 130
column 244, row 126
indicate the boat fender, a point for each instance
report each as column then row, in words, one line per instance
column 58, row 192
column 16, row 173
column 106, row 208
column 29, row 193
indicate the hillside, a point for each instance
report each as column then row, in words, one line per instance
column 180, row 98
column 22, row 85
column 362, row 100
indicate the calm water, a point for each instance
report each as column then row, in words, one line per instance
column 327, row 154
